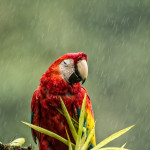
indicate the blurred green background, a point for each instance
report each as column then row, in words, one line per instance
column 114, row 34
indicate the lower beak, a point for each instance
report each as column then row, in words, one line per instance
column 83, row 81
column 74, row 78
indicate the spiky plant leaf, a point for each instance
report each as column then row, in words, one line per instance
column 68, row 118
column 17, row 142
column 49, row 133
column 111, row 138
column 122, row 146
column 81, row 121
column 76, row 124
column 83, row 138
column 113, row 148
column 69, row 142
column 85, row 146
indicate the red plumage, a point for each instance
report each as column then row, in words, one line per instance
column 45, row 100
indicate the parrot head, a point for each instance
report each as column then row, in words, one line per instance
column 71, row 67
column 74, row 67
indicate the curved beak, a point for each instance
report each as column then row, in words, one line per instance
column 83, row 69
column 80, row 73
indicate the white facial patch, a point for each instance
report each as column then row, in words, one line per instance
column 67, row 68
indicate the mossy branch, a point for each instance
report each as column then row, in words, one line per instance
column 7, row 147
column 15, row 145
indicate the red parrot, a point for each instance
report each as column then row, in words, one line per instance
column 61, row 79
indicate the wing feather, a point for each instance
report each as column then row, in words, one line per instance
column 35, row 114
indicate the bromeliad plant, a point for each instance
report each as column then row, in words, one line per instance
column 82, row 141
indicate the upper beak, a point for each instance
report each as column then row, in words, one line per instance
column 80, row 73
column 83, row 69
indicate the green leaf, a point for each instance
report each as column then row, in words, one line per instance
column 17, row 142
column 49, row 133
column 113, row 148
column 122, row 146
column 85, row 146
column 83, row 137
column 69, row 142
column 111, row 138
column 68, row 118
column 81, row 121
column 76, row 124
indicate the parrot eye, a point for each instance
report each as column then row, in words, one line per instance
column 66, row 62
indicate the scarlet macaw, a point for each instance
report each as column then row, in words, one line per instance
column 61, row 79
